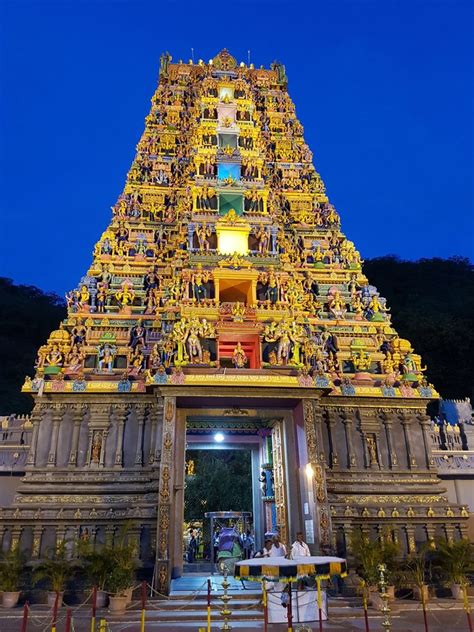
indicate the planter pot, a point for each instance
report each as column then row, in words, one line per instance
column 376, row 600
column 101, row 599
column 52, row 599
column 456, row 590
column 417, row 593
column 128, row 594
column 117, row 604
column 391, row 592
column 10, row 599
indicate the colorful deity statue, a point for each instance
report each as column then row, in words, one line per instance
column 239, row 357
column 105, row 357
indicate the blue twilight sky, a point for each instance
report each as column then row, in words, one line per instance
column 383, row 88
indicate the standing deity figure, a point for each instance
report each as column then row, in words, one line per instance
column 106, row 355
column 198, row 283
column 96, row 447
column 239, row 357
column 137, row 335
column 79, row 332
column 193, row 342
column 203, row 233
column 272, row 288
column 288, row 337
column 263, row 235
column 101, row 297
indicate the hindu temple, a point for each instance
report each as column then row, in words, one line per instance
column 224, row 296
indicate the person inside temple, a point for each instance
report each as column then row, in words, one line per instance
column 278, row 549
column 299, row 547
column 265, row 552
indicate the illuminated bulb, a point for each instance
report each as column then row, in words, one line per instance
column 219, row 437
column 309, row 471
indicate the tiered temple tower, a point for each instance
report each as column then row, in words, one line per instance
column 224, row 282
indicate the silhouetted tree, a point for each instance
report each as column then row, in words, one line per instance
column 222, row 482
column 27, row 316
column 432, row 303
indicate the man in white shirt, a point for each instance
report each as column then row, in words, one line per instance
column 278, row 549
column 299, row 547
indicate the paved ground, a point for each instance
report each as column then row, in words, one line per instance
column 448, row 619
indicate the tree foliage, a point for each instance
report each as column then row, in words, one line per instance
column 222, row 482
column 432, row 305
column 27, row 316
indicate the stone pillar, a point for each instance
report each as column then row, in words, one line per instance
column 121, row 413
column 332, row 418
column 347, row 421
column 158, row 436
column 36, row 420
column 347, row 530
column 60, row 535
column 16, row 535
column 449, row 531
column 154, row 428
column 58, row 413
column 425, row 424
column 135, row 540
column 406, row 423
column 410, row 538
column 322, row 510
column 165, row 496
column 379, row 451
column 392, row 455
column 77, row 415
column 109, row 535
column 142, row 414
column 102, row 448
column 37, row 537
column 430, row 532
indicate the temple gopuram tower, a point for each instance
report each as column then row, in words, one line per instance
column 224, row 294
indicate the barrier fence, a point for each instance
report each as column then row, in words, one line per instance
column 62, row 620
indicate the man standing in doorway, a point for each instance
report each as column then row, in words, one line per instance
column 299, row 547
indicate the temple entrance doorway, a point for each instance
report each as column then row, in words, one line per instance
column 218, row 480
column 261, row 441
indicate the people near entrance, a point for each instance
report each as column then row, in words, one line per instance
column 248, row 544
column 215, row 543
column 278, row 549
column 299, row 547
column 192, row 548
column 265, row 552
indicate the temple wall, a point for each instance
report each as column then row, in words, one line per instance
column 381, row 476
column 92, row 467
column 8, row 487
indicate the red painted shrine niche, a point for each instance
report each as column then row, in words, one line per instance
column 250, row 344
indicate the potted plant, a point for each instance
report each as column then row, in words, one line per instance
column 56, row 570
column 11, row 567
column 368, row 554
column 97, row 564
column 413, row 575
column 390, row 555
column 119, row 580
column 455, row 560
